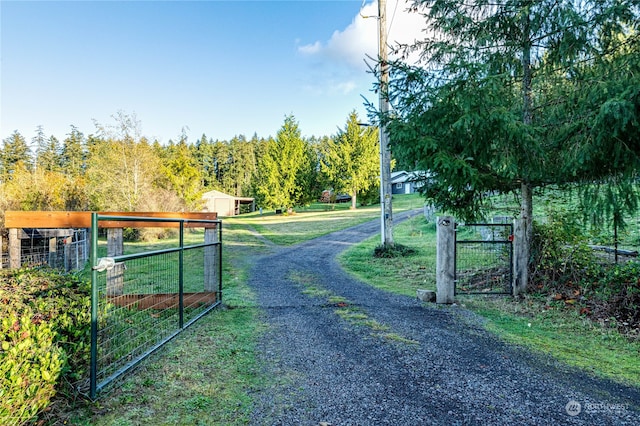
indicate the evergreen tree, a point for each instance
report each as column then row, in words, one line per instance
column 39, row 141
column 282, row 168
column 473, row 112
column 240, row 167
column 182, row 173
column 351, row 161
column 48, row 157
column 73, row 153
column 203, row 154
column 15, row 153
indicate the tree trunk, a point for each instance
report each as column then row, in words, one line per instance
column 524, row 236
column 526, row 208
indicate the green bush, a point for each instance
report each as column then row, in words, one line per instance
column 391, row 251
column 560, row 254
column 30, row 364
column 617, row 294
column 44, row 338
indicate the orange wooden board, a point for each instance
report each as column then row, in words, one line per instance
column 65, row 219
column 162, row 300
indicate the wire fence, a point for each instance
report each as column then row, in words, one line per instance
column 142, row 300
column 66, row 249
column 484, row 259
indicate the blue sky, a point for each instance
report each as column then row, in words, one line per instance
column 223, row 68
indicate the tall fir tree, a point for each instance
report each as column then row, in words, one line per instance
column 73, row 153
column 48, row 157
column 351, row 160
column 282, row 181
column 15, row 154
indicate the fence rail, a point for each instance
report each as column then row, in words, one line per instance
column 140, row 301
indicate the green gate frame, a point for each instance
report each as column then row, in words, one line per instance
column 94, row 386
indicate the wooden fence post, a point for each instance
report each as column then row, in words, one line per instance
column 210, row 261
column 15, row 249
column 115, row 276
column 53, row 247
column 445, row 259
column 520, row 258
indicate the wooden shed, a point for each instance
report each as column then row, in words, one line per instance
column 227, row 205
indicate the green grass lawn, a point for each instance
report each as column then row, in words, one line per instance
column 317, row 219
column 401, row 275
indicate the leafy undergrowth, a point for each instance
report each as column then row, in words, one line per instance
column 572, row 277
column 45, row 338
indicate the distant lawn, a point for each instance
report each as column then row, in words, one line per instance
column 317, row 219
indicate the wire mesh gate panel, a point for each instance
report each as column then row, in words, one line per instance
column 142, row 300
column 484, row 259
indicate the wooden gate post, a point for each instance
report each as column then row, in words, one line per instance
column 115, row 276
column 15, row 249
column 520, row 258
column 210, row 261
column 53, row 247
column 445, row 259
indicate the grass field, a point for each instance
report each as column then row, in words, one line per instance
column 317, row 219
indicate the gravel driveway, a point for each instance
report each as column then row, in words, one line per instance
column 343, row 353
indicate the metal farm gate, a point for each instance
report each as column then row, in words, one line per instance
column 483, row 258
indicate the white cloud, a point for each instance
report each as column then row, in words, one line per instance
column 344, row 87
column 310, row 49
column 352, row 45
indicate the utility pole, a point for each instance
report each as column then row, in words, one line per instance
column 386, row 212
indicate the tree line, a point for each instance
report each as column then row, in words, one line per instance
column 118, row 169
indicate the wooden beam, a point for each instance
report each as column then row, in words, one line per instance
column 162, row 300
column 65, row 219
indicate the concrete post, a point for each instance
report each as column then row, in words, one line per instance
column 445, row 259
column 115, row 276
